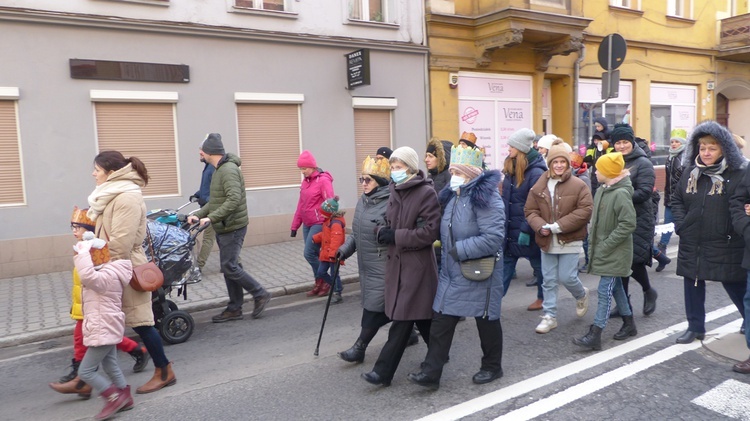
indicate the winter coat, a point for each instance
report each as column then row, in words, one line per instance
column 583, row 175
column 313, row 191
column 472, row 223
column 642, row 177
column 227, row 204
column 710, row 248
column 123, row 225
column 411, row 271
column 76, row 293
column 103, row 318
column 673, row 170
column 514, row 200
column 740, row 219
column 204, row 192
column 371, row 255
column 331, row 237
column 440, row 176
column 572, row 211
column 612, row 225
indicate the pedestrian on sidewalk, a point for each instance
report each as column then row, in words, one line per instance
column 103, row 283
column 71, row 383
column 611, row 247
column 117, row 207
column 226, row 210
column 412, row 224
column 471, row 228
column 202, row 196
column 330, row 239
column 739, row 207
column 673, row 170
column 316, row 187
column 710, row 249
column 558, row 209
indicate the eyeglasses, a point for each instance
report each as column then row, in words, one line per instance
column 365, row 180
column 74, row 227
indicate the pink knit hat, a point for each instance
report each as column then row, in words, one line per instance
column 306, row 160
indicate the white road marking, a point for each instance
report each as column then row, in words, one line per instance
column 521, row 388
column 731, row 399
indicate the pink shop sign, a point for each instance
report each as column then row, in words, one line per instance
column 493, row 122
column 496, row 88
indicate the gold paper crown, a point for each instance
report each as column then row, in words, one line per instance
column 80, row 218
column 378, row 167
column 467, row 156
column 471, row 137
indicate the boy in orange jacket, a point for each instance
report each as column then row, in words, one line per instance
column 330, row 239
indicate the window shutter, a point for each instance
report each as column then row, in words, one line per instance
column 11, row 178
column 146, row 131
column 372, row 130
column 269, row 144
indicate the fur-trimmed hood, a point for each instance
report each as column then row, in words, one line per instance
column 442, row 152
column 729, row 149
column 479, row 189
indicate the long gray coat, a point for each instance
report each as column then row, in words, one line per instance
column 477, row 219
column 371, row 256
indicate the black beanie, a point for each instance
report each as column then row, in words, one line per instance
column 622, row 132
column 386, row 152
column 212, row 145
column 380, row 180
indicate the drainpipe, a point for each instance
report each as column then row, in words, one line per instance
column 576, row 76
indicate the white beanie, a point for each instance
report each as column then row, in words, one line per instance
column 408, row 156
column 522, row 140
column 546, row 141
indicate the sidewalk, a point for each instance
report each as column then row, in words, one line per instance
column 35, row 308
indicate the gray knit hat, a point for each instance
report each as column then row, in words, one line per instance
column 408, row 156
column 522, row 140
column 212, row 145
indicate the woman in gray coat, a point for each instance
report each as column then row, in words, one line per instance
column 472, row 227
column 371, row 255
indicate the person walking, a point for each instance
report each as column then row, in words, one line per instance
column 710, row 248
column 202, row 196
column 611, row 247
column 316, row 187
column 412, row 226
column 471, row 228
column 739, row 207
column 226, row 210
column 558, row 209
column 117, row 207
column 330, row 239
column 673, row 171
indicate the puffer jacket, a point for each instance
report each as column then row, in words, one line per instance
column 313, row 191
column 643, row 177
column 103, row 318
column 227, row 205
column 673, row 169
column 371, row 255
column 612, row 225
column 475, row 217
column 331, row 238
column 514, row 200
column 76, row 293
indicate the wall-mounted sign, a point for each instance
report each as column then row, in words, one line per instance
column 358, row 68
column 129, row 71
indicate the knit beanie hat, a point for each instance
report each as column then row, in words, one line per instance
column 622, row 132
column 522, row 140
column 386, row 152
column 306, row 160
column 330, row 206
column 611, row 164
column 558, row 150
column 679, row 135
column 212, row 144
column 546, row 141
column 469, row 138
column 599, row 135
column 81, row 219
column 408, row 156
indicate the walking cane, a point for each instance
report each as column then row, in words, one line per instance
column 336, row 267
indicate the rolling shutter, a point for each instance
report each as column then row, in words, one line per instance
column 11, row 177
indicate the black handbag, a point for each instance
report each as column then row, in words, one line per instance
column 477, row 270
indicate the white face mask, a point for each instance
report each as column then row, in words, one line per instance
column 398, row 176
column 456, row 182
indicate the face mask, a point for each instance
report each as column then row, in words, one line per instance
column 456, row 182
column 398, row 176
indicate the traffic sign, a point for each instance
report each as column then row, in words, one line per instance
column 612, row 51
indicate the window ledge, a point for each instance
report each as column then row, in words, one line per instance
column 9, row 93
column 680, row 19
column 263, row 12
column 625, row 10
column 373, row 24
column 164, row 3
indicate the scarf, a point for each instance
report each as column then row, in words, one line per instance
column 713, row 171
column 674, row 152
column 105, row 192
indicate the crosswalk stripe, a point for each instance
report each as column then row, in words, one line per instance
column 731, row 399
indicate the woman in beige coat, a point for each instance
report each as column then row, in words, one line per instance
column 117, row 207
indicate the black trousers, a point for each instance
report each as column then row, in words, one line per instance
column 695, row 300
column 372, row 321
column 441, row 337
column 640, row 274
column 393, row 350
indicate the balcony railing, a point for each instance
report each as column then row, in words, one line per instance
column 735, row 32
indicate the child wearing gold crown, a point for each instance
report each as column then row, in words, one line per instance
column 330, row 239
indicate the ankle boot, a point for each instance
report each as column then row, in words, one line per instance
column 355, row 354
column 114, row 400
column 662, row 247
column 74, row 386
column 627, row 329
column 663, row 261
column 324, row 288
column 73, row 371
column 649, row 301
column 316, row 289
column 163, row 377
column 141, row 357
column 591, row 340
column 129, row 401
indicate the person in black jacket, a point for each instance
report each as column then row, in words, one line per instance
column 673, row 168
column 436, row 158
column 710, row 248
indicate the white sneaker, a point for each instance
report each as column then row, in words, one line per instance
column 582, row 305
column 548, row 323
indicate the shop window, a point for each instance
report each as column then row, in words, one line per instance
column 661, row 126
column 11, row 171
column 372, row 10
column 372, row 130
column 275, row 5
column 614, row 113
column 680, row 8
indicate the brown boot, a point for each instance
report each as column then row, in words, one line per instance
column 316, row 289
column 163, row 377
column 74, row 386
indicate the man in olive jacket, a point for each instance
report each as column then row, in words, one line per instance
column 226, row 211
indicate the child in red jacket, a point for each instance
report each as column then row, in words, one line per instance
column 330, row 239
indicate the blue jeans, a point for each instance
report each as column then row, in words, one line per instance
column 609, row 287
column 237, row 280
column 667, row 219
column 695, row 300
column 509, row 266
column 155, row 347
column 323, row 269
column 562, row 268
column 312, row 250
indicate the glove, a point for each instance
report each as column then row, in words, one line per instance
column 82, row 246
column 193, row 198
column 294, row 233
column 524, row 239
column 387, row 236
column 454, row 254
column 339, row 255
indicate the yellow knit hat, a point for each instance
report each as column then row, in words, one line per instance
column 611, row 164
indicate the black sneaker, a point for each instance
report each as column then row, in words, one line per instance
column 141, row 357
column 227, row 316
column 260, row 305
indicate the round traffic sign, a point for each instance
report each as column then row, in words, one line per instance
column 612, row 51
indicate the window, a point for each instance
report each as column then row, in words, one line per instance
column 141, row 124
column 615, row 110
column 275, row 5
column 11, row 171
column 372, row 130
column 680, row 8
column 372, row 10
column 269, row 139
column 626, row 4
column 672, row 107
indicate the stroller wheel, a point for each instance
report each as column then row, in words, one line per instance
column 159, row 310
column 176, row 327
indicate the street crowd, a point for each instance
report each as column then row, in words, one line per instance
column 435, row 247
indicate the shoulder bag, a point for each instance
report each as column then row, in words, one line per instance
column 148, row 276
column 476, row 270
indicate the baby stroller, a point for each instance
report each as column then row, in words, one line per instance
column 173, row 240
